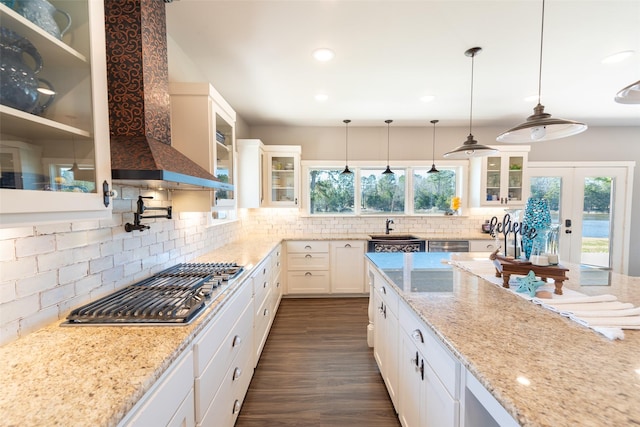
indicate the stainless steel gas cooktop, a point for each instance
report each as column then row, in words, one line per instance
column 172, row 297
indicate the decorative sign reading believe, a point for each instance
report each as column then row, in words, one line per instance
column 507, row 227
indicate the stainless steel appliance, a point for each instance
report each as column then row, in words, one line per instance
column 448, row 246
column 174, row 296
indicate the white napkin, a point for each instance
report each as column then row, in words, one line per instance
column 569, row 309
column 576, row 300
column 608, row 313
column 628, row 322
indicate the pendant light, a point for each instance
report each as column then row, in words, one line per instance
column 388, row 170
column 346, row 170
column 80, row 174
column 540, row 126
column 433, row 153
column 471, row 148
column 629, row 94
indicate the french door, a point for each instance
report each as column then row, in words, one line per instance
column 591, row 205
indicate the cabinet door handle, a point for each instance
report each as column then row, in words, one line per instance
column 417, row 335
column 264, row 270
column 236, row 373
column 307, row 274
column 264, row 285
column 308, row 256
column 307, row 247
column 236, row 341
column 422, row 369
column 266, row 312
column 236, row 407
column 383, row 289
column 347, row 245
column 415, row 361
column 277, row 284
column 296, row 201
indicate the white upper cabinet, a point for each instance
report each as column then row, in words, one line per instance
column 54, row 124
column 500, row 180
column 250, row 173
column 203, row 129
column 283, row 175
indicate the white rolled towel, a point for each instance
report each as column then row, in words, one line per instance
column 628, row 322
column 569, row 309
column 608, row 313
column 576, row 300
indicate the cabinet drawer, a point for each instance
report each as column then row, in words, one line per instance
column 262, row 320
column 276, row 258
column 307, row 246
column 237, row 341
column 308, row 282
column 309, row 261
column 165, row 401
column 387, row 293
column 212, row 338
column 443, row 363
column 261, row 286
column 227, row 402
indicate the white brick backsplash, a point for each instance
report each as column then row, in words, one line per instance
column 13, row 233
column 86, row 253
column 85, row 225
column 7, row 250
column 112, row 275
column 132, row 268
column 98, row 236
column 7, row 291
column 86, row 285
column 53, row 228
column 38, row 320
column 100, row 264
column 19, row 308
column 71, row 240
column 13, row 270
column 55, row 260
column 132, row 243
column 73, row 272
column 34, row 284
column 58, row 294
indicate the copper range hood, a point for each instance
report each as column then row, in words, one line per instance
column 139, row 103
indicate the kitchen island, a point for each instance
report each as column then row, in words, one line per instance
column 544, row 369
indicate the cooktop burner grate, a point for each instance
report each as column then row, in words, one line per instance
column 173, row 296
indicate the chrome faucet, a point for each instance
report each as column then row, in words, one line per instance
column 387, row 228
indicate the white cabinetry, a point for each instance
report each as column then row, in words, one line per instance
column 483, row 245
column 263, row 309
column 385, row 337
column 283, row 175
column 223, row 361
column 170, row 402
column 429, row 376
column 500, row 180
column 250, row 183
column 481, row 409
column 348, row 267
column 308, row 267
column 38, row 179
column 203, row 129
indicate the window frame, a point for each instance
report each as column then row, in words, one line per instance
column 460, row 166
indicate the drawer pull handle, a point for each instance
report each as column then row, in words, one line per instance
column 264, row 285
column 347, row 245
column 266, row 312
column 307, row 274
column 307, row 247
column 417, row 335
column 236, row 341
column 236, row 407
column 277, row 284
column 236, row 373
column 307, row 256
column 383, row 289
column 264, row 270
column 415, row 361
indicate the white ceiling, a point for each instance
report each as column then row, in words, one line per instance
column 257, row 54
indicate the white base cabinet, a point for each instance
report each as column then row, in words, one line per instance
column 347, row 267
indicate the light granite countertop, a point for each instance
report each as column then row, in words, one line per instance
column 94, row 375
column 577, row 376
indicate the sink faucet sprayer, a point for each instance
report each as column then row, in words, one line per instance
column 387, row 223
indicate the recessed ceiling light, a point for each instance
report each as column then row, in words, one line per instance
column 321, row 97
column 617, row 57
column 427, row 98
column 323, row 54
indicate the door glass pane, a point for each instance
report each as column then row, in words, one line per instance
column 382, row 193
column 596, row 221
column 282, row 179
column 494, row 166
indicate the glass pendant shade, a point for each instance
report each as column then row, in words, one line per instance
column 346, row 170
column 540, row 126
column 471, row 148
column 629, row 94
column 433, row 152
column 388, row 170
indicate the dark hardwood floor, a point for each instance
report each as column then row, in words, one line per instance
column 316, row 370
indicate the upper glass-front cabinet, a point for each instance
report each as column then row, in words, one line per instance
column 54, row 130
column 283, row 179
column 500, row 179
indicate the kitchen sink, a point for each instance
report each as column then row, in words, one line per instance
column 395, row 243
column 387, row 237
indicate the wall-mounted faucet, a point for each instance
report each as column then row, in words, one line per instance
column 137, row 216
column 387, row 228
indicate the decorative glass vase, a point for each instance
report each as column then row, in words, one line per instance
column 538, row 217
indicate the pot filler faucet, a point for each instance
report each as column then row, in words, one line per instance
column 388, row 222
column 137, row 216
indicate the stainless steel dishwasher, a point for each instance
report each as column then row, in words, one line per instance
column 448, row 246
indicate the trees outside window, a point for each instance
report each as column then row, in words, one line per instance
column 432, row 192
column 330, row 192
column 382, row 193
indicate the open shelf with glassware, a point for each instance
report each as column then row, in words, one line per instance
column 54, row 134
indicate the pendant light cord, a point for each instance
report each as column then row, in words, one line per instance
column 540, row 67
column 346, row 145
column 473, row 57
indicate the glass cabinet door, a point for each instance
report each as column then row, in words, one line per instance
column 54, row 135
column 514, row 191
column 493, row 177
column 283, row 184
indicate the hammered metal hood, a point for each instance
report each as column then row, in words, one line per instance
column 139, row 103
